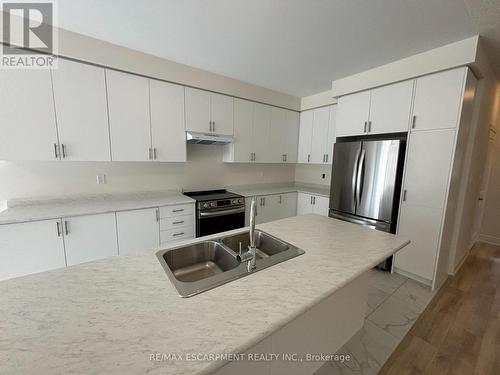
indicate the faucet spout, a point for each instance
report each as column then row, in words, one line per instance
column 251, row 266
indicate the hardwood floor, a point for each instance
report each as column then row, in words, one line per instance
column 459, row 331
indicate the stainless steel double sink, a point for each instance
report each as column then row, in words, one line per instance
column 203, row 265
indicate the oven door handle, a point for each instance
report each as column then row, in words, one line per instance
column 221, row 212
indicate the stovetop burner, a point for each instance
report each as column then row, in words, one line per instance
column 211, row 195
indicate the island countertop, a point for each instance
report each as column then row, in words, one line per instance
column 109, row 316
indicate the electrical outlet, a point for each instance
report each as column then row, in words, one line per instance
column 323, row 176
column 101, row 179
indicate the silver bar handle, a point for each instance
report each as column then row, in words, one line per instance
column 264, row 200
column 178, row 210
column 150, row 154
column 213, row 126
column 178, row 222
column 366, row 124
column 222, row 212
column 157, row 213
column 308, row 158
column 286, row 156
column 66, row 227
column 404, row 195
column 413, row 121
column 155, row 153
column 280, row 199
column 63, row 147
column 358, row 178
column 311, row 200
column 58, row 227
column 326, row 157
column 369, row 126
column 354, row 178
column 178, row 234
column 56, row 153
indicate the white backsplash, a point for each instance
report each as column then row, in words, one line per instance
column 313, row 174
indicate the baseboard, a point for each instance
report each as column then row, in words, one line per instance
column 462, row 261
column 489, row 239
column 412, row 276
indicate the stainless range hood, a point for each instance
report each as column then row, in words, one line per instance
column 208, row 139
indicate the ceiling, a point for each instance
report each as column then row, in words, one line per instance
column 293, row 46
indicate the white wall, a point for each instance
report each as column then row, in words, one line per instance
column 204, row 169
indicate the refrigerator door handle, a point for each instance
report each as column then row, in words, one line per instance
column 361, row 164
column 354, row 178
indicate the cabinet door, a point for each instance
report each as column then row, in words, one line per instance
column 277, row 135
column 197, row 110
column 129, row 122
column 305, row 136
column 438, row 98
column 28, row 125
column 81, row 109
column 242, row 148
column 320, row 205
column 428, row 167
column 390, row 108
column 291, row 137
column 352, row 113
column 27, row 248
column 422, row 226
column 261, row 126
column 287, row 205
column 331, row 134
column 222, row 114
column 138, row 230
column 168, row 133
column 304, row 204
column 90, row 237
column 320, row 135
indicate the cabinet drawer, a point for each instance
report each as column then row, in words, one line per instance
column 178, row 210
column 176, row 222
column 171, row 235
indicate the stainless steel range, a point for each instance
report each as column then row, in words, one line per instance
column 217, row 211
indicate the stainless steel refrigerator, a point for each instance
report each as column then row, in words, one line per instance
column 366, row 182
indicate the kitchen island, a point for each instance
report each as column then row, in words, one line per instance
column 122, row 315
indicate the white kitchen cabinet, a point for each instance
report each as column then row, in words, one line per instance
column 81, row 111
column 390, row 108
column 311, row 203
column 208, row 112
column 89, row 237
column 27, row 248
column 352, row 113
column 291, row 136
column 317, row 135
column 321, row 121
column 438, row 99
column 261, row 133
column 272, row 207
column 422, row 225
column 222, row 113
column 305, row 136
column 138, row 230
column 332, row 137
column 241, row 150
column 168, row 133
column 28, row 125
column 129, row 116
column 425, row 189
column 285, row 205
column 277, row 135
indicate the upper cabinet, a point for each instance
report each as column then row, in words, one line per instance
column 262, row 134
column 168, row 135
column 208, row 112
column 352, row 114
column 129, row 117
column 317, row 135
column 382, row 110
column 390, row 108
column 28, row 124
column 81, row 111
column 438, row 99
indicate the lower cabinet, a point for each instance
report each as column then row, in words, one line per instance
column 310, row 203
column 138, row 230
column 89, row 237
column 272, row 207
column 33, row 247
column 177, row 223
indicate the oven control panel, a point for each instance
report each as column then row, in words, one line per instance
column 221, row 203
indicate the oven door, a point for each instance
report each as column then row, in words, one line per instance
column 219, row 220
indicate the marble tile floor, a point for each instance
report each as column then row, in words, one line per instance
column 394, row 304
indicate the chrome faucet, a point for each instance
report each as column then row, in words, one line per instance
column 250, row 255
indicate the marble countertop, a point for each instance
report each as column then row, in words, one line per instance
column 41, row 209
column 268, row 189
column 109, row 316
